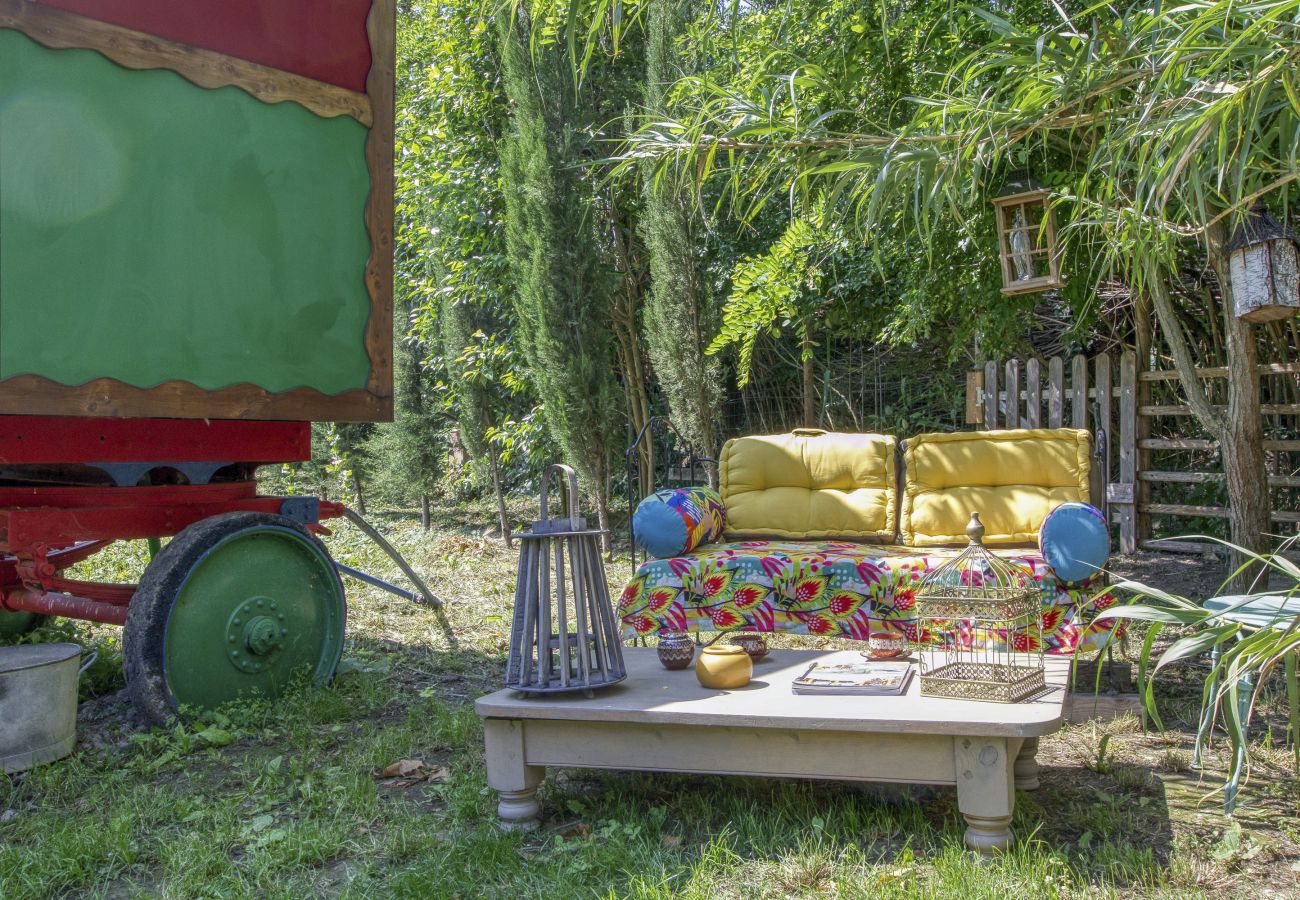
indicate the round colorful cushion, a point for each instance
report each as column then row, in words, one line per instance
column 674, row 522
column 1075, row 541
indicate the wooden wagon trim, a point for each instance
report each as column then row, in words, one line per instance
column 62, row 30
column 381, row 25
column 57, row 29
column 23, row 394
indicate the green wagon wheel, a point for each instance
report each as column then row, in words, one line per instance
column 16, row 624
column 237, row 605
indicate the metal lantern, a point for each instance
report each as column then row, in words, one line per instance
column 1027, row 238
column 979, row 619
column 563, row 637
column 1263, row 257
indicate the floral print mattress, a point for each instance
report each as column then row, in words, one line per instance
column 834, row 589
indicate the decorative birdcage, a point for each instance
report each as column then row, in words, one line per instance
column 563, row 636
column 979, row 627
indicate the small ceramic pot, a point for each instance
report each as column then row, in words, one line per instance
column 754, row 644
column 724, row 667
column 885, row 645
column 676, row 649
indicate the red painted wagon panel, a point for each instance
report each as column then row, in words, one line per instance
column 321, row 39
column 54, row 440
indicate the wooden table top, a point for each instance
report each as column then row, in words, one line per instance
column 653, row 695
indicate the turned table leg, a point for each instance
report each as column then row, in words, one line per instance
column 1027, row 766
column 509, row 775
column 985, row 790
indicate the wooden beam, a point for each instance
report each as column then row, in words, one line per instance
column 1211, row 512
column 381, row 27
column 1033, row 393
column 1011, row 408
column 1086, row 706
column 22, row 394
column 1055, row 391
column 1126, row 513
column 974, row 409
column 1268, row 409
column 1209, row 477
column 62, row 30
column 1200, row 444
column 1222, row 372
column 1172, row 546
column 1103, row 429
column 990, row 396
column 1178, row 444
column 1185, row 509
column 1079, row 391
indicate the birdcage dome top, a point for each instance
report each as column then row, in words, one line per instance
column 977, row 574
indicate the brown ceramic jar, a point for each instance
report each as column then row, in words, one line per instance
column 755, row 645
column 676, row 649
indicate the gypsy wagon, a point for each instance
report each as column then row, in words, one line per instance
column 195, row 263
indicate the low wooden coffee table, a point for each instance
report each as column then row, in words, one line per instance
column 663, row 721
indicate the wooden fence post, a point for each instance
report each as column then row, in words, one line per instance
column 1055, row 390
column 1033, row 393
column 1123, row 494
column 1142, row 456
column 974, row 402
column 1102, row 430
column 1012, row 407
column 1079, row 387
column 990, row 396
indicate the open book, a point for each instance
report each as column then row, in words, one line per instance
column 861, row 678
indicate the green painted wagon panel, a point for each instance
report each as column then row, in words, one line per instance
column 152, row 230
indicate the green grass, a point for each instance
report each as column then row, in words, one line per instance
column 286, row 798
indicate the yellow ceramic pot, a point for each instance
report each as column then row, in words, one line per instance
column 724, row 667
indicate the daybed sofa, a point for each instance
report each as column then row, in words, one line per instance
column 830, row 534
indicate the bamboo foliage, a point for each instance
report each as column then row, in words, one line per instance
column 1248, row 654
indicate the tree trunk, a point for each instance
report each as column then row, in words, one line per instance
column 1241, row 440
column 424, row 512
column 602, row 519
column 809, row 379
column 502, row 517
column 356, row 489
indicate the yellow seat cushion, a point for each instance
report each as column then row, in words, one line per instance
column 1013, row 479
column 810, row 484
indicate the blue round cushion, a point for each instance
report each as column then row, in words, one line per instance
column 1075, row 541
column 660, row 529
column 675, row 521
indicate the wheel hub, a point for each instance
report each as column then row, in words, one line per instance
column 255, row 633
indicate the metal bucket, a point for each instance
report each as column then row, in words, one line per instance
column 38, row 703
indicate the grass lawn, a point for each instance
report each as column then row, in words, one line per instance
column 290, row 799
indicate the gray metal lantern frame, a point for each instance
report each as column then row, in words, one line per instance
column 997, row 605
column 559, row 561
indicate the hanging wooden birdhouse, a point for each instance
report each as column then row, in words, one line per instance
column 1027, row 238
column 1264, row 262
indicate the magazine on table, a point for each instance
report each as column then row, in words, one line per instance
column 868, row 677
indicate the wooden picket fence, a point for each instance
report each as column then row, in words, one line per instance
column 1111, row 397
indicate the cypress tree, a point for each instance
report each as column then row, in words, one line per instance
column 563, row 289
column 681, row 314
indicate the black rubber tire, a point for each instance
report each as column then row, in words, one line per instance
column 143, row 639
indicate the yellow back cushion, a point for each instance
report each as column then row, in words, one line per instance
column 810, row 484
column 1013, row 479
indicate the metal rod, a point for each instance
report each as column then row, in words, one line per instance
column 425, row 595
column 378, row 582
